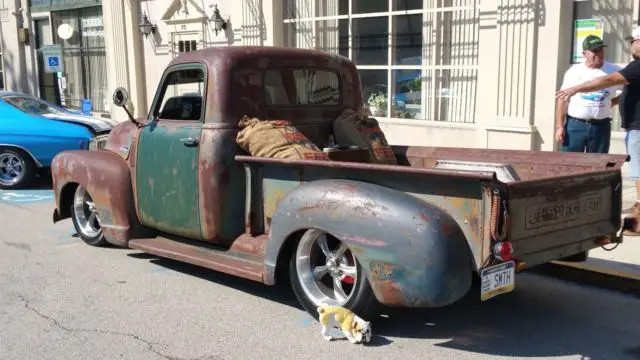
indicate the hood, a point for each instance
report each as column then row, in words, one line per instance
column 96, row 124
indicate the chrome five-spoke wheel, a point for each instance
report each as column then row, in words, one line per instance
column 325, row 271
column 16, row 169
column 85, row 218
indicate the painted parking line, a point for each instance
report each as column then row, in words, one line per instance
column 25, row 196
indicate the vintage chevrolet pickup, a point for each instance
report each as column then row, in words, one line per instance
column 348, row 232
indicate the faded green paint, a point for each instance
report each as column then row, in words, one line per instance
column 167, row 178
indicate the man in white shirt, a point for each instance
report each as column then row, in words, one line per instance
column 588, row 115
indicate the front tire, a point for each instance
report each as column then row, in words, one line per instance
column 17, row 169
column 85, row 218
column 323, row 270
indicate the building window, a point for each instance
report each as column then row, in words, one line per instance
column 187, row 46
column 417, row 59
column 618, row 18
column 84, row 58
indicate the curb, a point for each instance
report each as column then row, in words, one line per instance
column 588, row 274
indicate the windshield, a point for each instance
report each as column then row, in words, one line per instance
column 32, row 105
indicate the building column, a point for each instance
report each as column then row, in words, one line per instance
column 511, row 66
column 125, row 55
column 13, row 51
column 553, row 59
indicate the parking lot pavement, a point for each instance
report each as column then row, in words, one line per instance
column 62, row 299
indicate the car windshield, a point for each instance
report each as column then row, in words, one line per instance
column 32, row 105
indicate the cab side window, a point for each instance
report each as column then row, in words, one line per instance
column 181, row 98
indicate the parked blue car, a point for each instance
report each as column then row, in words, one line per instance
column 33, row 131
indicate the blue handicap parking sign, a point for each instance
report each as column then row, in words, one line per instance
column 54, row 61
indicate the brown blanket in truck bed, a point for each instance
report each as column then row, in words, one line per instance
column 357, row 128
column 276, row 139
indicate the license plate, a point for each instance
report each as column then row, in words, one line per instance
column 497, row 279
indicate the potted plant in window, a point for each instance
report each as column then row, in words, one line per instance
column 377, row 104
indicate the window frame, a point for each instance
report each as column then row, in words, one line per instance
column 298, row 106
column 162, row 88
column 435, row 70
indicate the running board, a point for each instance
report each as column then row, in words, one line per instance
column 201, row 254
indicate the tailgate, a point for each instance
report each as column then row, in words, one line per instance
column 545, row 214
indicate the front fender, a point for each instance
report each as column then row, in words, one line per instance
column 413, row 253
column 107, row 178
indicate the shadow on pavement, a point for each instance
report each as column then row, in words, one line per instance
column 279, row 293
column 543, row 317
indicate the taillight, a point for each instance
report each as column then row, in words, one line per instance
column 503, row 251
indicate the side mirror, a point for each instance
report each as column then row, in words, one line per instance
column 120, row 96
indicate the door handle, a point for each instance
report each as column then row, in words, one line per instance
column 189, row 141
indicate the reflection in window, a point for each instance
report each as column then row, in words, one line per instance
column 407, row 4
column 333, row 36
column 369, row 6
column 312, row 87
column 32, row 105
column 407, row 94
column 374, row 90
column 182, row 95
column 407, row 39
column 403, row 73
column 371, row 41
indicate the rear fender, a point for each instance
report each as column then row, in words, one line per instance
column 413, row 253
column 107, row 178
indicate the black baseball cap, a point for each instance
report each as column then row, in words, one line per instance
column 592, row 42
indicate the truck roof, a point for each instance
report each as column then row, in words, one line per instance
column 234, row 54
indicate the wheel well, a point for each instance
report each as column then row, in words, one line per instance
column 66, row 198
column 23, row 151
column 284, row 256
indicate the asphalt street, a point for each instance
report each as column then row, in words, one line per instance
column 62, row 299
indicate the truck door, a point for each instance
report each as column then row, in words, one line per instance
column 167, row 154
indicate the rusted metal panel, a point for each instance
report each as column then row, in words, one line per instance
column 460, row 197
column 549, row 213
column 421, row 244
column 221, row 186
column 529, row 165
column 167, row 178
column 106, row 176
column 197, row 253
column 381, row 168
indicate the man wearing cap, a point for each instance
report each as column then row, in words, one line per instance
column 588, row 115
column 629, row 106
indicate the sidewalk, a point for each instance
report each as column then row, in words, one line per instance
column 624, row 260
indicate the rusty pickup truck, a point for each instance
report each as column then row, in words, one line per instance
column 347, row 232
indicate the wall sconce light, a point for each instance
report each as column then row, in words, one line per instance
column 219, row 23
column 146, row 27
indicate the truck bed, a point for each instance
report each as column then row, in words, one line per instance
column 553, row 204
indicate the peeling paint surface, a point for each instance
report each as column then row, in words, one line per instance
column 167, row 178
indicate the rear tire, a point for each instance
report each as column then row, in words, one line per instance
column 323, row 270
column 17, row 169
column 85, row 218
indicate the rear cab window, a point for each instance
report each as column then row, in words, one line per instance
column 289, row 87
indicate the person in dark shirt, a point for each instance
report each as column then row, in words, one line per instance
column 629, row 107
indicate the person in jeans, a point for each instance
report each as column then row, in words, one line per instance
column 629, row 106
column 588, row 115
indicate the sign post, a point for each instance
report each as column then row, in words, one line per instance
column 52, row 57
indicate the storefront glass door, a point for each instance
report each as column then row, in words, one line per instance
column 84, row 57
